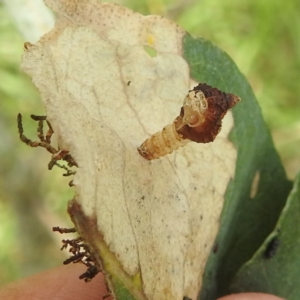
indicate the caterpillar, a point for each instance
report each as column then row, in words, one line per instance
column 200, row 121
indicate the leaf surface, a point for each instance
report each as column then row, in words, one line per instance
column 257, row 194
column 275, row 266
column 150, row 224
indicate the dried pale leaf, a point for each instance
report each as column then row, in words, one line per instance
column 104, row 95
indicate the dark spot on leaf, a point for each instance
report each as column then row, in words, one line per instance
column 272, row 248
column 215, row 248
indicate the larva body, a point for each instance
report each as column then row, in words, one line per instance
column 200, row 121
column 162, row 143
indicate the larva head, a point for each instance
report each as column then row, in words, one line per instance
column 193, row 109
column 201, row 116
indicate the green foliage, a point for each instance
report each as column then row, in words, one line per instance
column 121, row 291
column 276, row 272
column 262, row 36
column 248, row 216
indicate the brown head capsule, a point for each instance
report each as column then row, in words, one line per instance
column 200, row 121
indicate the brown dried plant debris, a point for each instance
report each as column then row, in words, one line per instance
column 200, row 121
column 45, row 142
column 80, row 254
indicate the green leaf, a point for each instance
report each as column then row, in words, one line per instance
column 257, row 193
column 276, row 272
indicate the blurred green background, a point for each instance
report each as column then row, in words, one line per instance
column 262, row 37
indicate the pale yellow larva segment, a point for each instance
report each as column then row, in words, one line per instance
column 162, row 143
